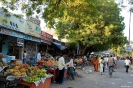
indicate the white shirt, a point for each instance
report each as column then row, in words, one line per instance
column 39, row 56
column 71, row 63
column 101, row 63
column 61, row 63
column 25, row 55
column 107, row 59
column 127, row 62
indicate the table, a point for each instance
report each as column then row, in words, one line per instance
column 46, row 84
column 7, row 83
column 54, row 71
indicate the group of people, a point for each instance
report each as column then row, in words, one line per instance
column 62, row 65
column 110, row 62
column 25, row 59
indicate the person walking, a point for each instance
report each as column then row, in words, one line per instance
column 25, row 58
column 39, row 57
column 111, row 63
column 101, row 62
column 83, row 63
column 71, row 68
column 61, row 67
column 127, row 63
column 95, row 63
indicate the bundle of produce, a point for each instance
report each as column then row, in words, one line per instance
column 41, row 73
column 31, row 79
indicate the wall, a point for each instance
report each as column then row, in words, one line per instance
column 5, row 47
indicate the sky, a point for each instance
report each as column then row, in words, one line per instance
column 126, row 15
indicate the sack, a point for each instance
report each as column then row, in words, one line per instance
column 115, row 66
column 131, row 67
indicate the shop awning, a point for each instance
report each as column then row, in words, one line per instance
column 61, row 47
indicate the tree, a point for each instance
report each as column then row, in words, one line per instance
column 95, row 26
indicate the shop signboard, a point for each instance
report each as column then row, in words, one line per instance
column 32, row 29
column 34, row 20
column 11, row 33
column 27, row 37
column 6, row 32
column 36, row 39
column 12, row 22
column 20, row 42
column 46, row 42
column 46, row 36
column 31, row 38
column 128, row 48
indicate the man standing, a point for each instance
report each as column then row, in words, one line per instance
column 101, row 62
column 39, row 55
column 111, row 63
column 61, row 67
column 25, row 58
column 127, row 64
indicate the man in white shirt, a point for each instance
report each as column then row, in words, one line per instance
column 61, row 67
column 39, row 57
column 71, row 69
column 127, row 64
column 24, row 57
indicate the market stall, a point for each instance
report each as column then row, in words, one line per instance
column 52, row 67
column 24, row 74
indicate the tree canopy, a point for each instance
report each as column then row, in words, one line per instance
column 94, row 25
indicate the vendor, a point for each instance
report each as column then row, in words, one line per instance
column 2, row 63
column 61, row 68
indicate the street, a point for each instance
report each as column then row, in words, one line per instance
column 120, row 79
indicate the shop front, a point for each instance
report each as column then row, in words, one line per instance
column 9, row 43
column 46, row 40
column 11, row 28
column 32, row 37
column 31, row 46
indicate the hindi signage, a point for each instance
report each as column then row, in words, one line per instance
column 12, row 22
column 32, row 29
column 11, row 33
column 46, row 36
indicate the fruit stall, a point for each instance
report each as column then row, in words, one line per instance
column 26, row 75
column 50, row 65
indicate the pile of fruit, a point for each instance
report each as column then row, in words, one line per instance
column 78, row 60
column 41, row 73
column 48, row 63
column 31, row 79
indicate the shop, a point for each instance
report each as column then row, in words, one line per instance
column 46, row 40
column 11, row 28
column 31, row 46
column 9, row 43
column 32, row 37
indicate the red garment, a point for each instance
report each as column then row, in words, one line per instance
column 95, row 63
column 83, row 60
column 130, row 59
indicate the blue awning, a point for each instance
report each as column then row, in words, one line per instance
column 61, row 47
